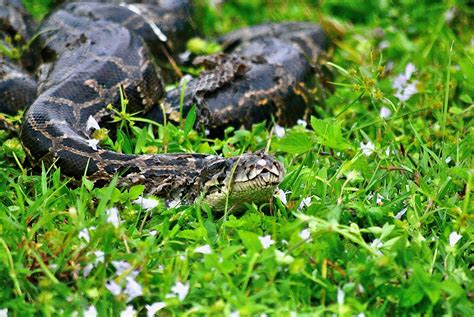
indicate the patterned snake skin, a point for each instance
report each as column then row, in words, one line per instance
column 88, row 51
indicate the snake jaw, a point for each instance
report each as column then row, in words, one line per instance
column 241, row 179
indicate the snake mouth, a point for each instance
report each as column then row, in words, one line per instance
column 243, row 179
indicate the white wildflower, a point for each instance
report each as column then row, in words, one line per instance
column 93, row 143
column 113, row 216
column 449, row 15
column 132, row 288
column 405, row 89
column 153, row 233
column 400, row 214
column 399, row 82
column 128, row 312
column 87, row 269
column 385, row 113
column 181, row 290
column 454, row 237
column 283, row 258
column 448, row 159
column 4, row 312
column 361, row 315
column 266, row 241
column 409, row 70
column 376, row 245
column 340, row 296
column 113, row 287
column 378, row 200
column 389, row 66
column 305, row 234
column 90, row 312
column 305, row 202
column 84, row 234
column 92, row 124
column 302, row 123
column 387, row 151
column 279, row 131
column 281, row 195
column 383, row 45
column 121, row 266
column 154, row 308
column 99, row 257
column 146, row 203
column 235, row 313
column 175, row 203
column 367, row 148
column 205, row 249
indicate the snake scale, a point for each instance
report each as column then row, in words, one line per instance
column 84, row 52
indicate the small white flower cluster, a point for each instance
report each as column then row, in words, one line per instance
column 280, row 194
column 205, row 249
column 99, row 258
column 154, row 308
column 113, row 216
column 376, row 245
column 385, row 113
column 340, row 296
column 302, row 123
column 131, row 288
column 146, row 203
column 305, row 202
column 90, row 312
column 92, row 124
column 179, row 290
column 305, row 234
column 454, row 238
column 400, row 214
column 266, row 241
column 367, row 148
column 85, row 233
column 279, row 131
column 129, row 311
column 405, row 88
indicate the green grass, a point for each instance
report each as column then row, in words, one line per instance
column 375, row 234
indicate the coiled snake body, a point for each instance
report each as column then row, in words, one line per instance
column 88, row 51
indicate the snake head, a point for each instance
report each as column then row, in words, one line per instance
column 246, row 178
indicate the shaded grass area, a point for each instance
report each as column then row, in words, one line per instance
column 374, row 216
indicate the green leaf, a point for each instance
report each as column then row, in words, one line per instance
column 411, row 295
column 250, row 240
column 136, row 191
column 295, row 143
column 453, row 288
column 190, row 120
column 141, row 140
column 329, row 133
column 123, row 142
column 87, row 183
